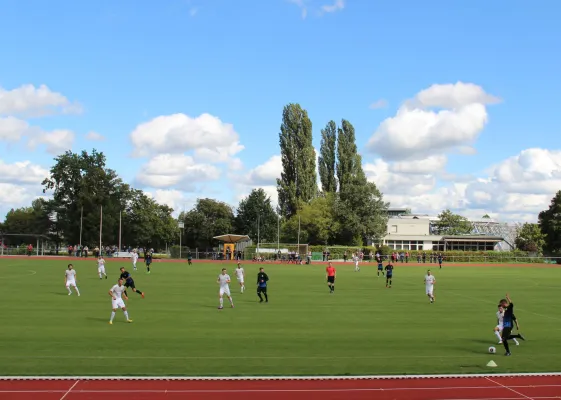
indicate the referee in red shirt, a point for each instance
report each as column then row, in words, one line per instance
column 331, row 273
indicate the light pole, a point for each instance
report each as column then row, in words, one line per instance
column 181, row 226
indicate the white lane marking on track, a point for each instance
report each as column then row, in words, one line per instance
column 69, row 390
column 509, row 388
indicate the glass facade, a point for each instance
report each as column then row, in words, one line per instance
column 405, row 244
column 441, row 245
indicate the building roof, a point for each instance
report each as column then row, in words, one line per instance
column 448, row 238
column 229, row 238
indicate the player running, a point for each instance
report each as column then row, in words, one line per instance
column 508, row 320
column 129, row 282
column 262, row 279
column 101, row 267
column 389, row 275
column 117, row 293
column 356, row 259
column 380, row 267
column 134, row 259
column 430, row 280
column 223, row 280
column 499, row 328
column 240, row 275
column 70, row 279
column 330, row 275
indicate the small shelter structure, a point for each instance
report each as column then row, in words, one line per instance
column 229, row 243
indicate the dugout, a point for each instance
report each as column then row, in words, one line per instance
column 232, row 243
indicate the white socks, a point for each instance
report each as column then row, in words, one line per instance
column 516, row 341
column 498, row 335
column 126, row 315
column 69, row 290
column 231, row 300
column 77, row 291
column 221, row 302
column 112, row 316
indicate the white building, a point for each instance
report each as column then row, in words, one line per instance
column 413, row 232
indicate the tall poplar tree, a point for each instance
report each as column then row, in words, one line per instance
column 360, row 208
column 298, row 178
column 327, row 158
column 347, row 167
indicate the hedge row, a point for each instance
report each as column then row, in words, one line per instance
column 336, row 253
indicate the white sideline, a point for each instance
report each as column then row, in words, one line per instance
column 272, row 378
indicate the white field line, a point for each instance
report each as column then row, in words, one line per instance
column 277, row 378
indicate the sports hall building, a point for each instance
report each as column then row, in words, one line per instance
column 416, row 232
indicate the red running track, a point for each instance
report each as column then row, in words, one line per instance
column 480, row 388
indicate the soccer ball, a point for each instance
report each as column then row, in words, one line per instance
column 492, row 350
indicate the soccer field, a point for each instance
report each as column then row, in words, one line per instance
column 363, row 328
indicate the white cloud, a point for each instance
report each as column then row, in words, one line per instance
column 390, row 182
column 266, row 173
column 22, row 173
column 207, row 136
column 338, row 5
column 516, row 189
column 95, row 137
column 32, row 101
column 55, row 142
column 417, row 130
column 175, row 199
column 429, row 165
column 378, row 104
column 14, row 195
column 176, row 171
column 12, row 129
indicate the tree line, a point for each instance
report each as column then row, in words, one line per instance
column 341, row 207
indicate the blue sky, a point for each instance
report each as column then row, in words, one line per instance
column 455, row 104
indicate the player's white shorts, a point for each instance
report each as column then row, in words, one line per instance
column 499, row 328
column 70, row 282
column 240, row 280
column 224, row 291
column 101, row 270
column 119, row 303
column 430, row 290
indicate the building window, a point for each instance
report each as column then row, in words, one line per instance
column 393, row 229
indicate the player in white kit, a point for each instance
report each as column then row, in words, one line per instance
column 355, row 259
column 101, row 267
column 430, row 280
column 117, row 293
column 223, row 280
column 499, row 328
column 134, row 259
column 70, row 279
column 240, row 275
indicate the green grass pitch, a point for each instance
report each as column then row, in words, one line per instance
column 362, row 329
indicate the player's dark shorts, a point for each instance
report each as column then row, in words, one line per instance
column 261, row 289
column 380, row 268
column 331, row 279
column 130, row 284
column 389, row 276
column 148, row 262
column 506, row 332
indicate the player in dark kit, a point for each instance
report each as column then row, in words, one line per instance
column 380, row 267
column 262, row 280
column 389, row 275
column 508, row 323
column 440, row 261
column 148, row 260
column 129, row 282
column 189, row 258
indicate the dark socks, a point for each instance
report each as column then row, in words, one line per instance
column 139, row 292
column 260, row 297
column 505, row 344
column 266, row 297
column 148, row 268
